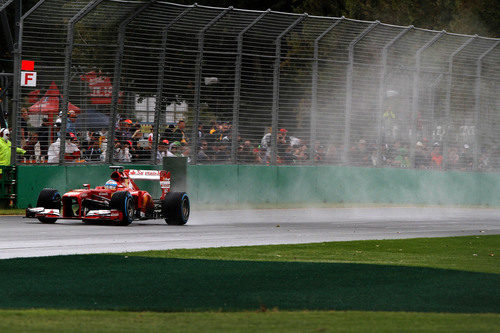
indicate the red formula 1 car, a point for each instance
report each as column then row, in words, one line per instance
column 119, row 201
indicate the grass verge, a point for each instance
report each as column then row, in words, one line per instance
column 12, row 211
column 270, row 321
column 469, row 253
column 433, row 284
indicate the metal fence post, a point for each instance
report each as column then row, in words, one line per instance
column 348, row 99
column 448, row 99
column 67, row 72
column 197, row 82
column 433, row 86
column 160, row 78
column 276, row 88
column 237, row 86
column 5, row 4
column 16, row 84
column 416, row 86
column 477, row 105
column 381, row 88
column 117, row 73
column 314, row 90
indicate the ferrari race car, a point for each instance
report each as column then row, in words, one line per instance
column 119, row 201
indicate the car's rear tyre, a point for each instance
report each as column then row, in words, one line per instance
column 123, row 202
column 49, row 198
column 175, row 208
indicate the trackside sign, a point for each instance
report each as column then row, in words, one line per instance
column 28, row 76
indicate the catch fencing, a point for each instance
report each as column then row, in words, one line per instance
column 253, row 87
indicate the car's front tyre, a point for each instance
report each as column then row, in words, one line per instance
column 49, row 198
column 123, row 202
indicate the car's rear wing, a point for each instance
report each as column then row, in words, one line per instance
column 160, row 175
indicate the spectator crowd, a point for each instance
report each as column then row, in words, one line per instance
column 133, row 143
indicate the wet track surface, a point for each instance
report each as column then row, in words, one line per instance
column 21, row 237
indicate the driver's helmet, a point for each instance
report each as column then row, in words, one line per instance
column 111, row 184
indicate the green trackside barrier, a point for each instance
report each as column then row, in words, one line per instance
column 233, row 184
column 244, row 184
column 7, row 186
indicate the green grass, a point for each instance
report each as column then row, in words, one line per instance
column 470, row 253
column 429, row 284
column 12, row 211
column 270, row 321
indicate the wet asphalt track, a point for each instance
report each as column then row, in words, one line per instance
column 28, row 238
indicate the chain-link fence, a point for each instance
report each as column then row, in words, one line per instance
column 134, row 81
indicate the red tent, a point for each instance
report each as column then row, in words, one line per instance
column 49, row 103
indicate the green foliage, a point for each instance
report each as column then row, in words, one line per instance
column 458, row 16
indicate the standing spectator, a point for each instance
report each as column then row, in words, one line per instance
column 72, row 152
column 168, row 133
column 162, row 150
column 389, row 125
column 30, row 146
column 466, row 159
column 224, row 131
column 179, row 133
column 436, row 157
column 265, row 145
column 125, row 154
column 5, row 148
column 284, row 147
column 103, row 142
column 138, row 132
column 421, row 156
column 385, row 157
column 301, row 153
column 23, row 124
column 143, row 151
column 201, row 134
column 319, row 152
column 124, row 132
column 93, row 151
column 203, row 151
column 70, row 125
column 117, row 150
column 245, row 154
column 43, row 136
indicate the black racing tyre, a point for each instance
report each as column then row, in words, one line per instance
column 175, row 208
column 49, row 199
column 123, row 202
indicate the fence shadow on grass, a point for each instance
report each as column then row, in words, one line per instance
column 156, row 284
